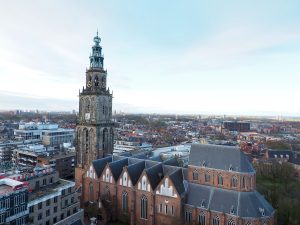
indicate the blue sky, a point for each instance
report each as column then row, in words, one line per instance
column 200, row 57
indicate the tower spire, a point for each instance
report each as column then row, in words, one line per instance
column 96, row 58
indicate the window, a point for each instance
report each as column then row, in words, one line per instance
column 195, row 175
column 74, row 210
column 220, row 179
column 250, row 182
column 66, row 202
column 216, row 221
column 234, row 181
column 48, row 202
column 55, row 220
column 68, row 213
column 31, row 209
column 144, row 207
column 51, row 180
column 63, row 192
column 125, row 201
column 40, row 205
column 172, row 210
column 48, row 212
column 201, row 219
column 91, row 192
column 188, row 216
column 166, row 209
column 55, row 199
column 69, row 190
column 160, row 208
column 2, row 218
column 61, row 216
column 244, row 182
column 230, row 222
column 40, row 216
column 55, row 209
column 37, row 184
column 44, row 182
column 207, row 177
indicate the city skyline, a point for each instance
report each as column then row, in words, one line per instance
column 197, row 58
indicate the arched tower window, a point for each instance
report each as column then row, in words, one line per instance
column 234, row 181
column 104, row 139
column 220, row 179
column 125, row 201
column 216, row 221
column 144, row 207
column 96, row 81
column 91, row 192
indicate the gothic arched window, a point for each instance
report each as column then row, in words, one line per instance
column 144, row 207
column 234, row 181
column 207, row 177
column 220, row 179
column 195, row 175
column 96, row 81
column 125, row 201
column 216, row 221
column 243, row 182
column 230, row 222
column 201, row 219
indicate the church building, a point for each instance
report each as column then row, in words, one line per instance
column 218, row 187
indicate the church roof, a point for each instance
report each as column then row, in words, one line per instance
column 116, row 167
column 177, row 179
column 99, row 164
column 243, row 204
column 219, row 157
column 155, row 175
column 135, row 171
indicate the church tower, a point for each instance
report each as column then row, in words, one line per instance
column 95, row 135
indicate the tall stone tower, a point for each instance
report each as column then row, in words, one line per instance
column 95, row 127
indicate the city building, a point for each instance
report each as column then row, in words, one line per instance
column 5, row 154
column 237, row 126
column 63, row 162
column 13, row 202
column 217, row 187
column 51, row 200
column 47, row 133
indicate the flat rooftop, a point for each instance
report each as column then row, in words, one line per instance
column 8, row 185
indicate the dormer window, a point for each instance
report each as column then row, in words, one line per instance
column 232, row 210
column 204, row 164
column 195, row 175
column 262, row 211
column 230, row 168
column 203, row 203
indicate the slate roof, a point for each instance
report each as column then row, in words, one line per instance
column 77, row 222
column 155, row 175
column 244, row 204
column 169, row 169
column 150, row 163
column 172, row 162
column 135, row 171
column 177, row 179
column 134, row 160
column 116, row 167
column 99, row 164
column 220, row 157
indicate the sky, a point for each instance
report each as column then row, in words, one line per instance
column 179, row 57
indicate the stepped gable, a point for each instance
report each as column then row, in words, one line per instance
column 116, row 167
column 99, row 164
column 177, row 180
column 155, row 175
column 242, row 204
column 135, row 171
column 220, row 157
